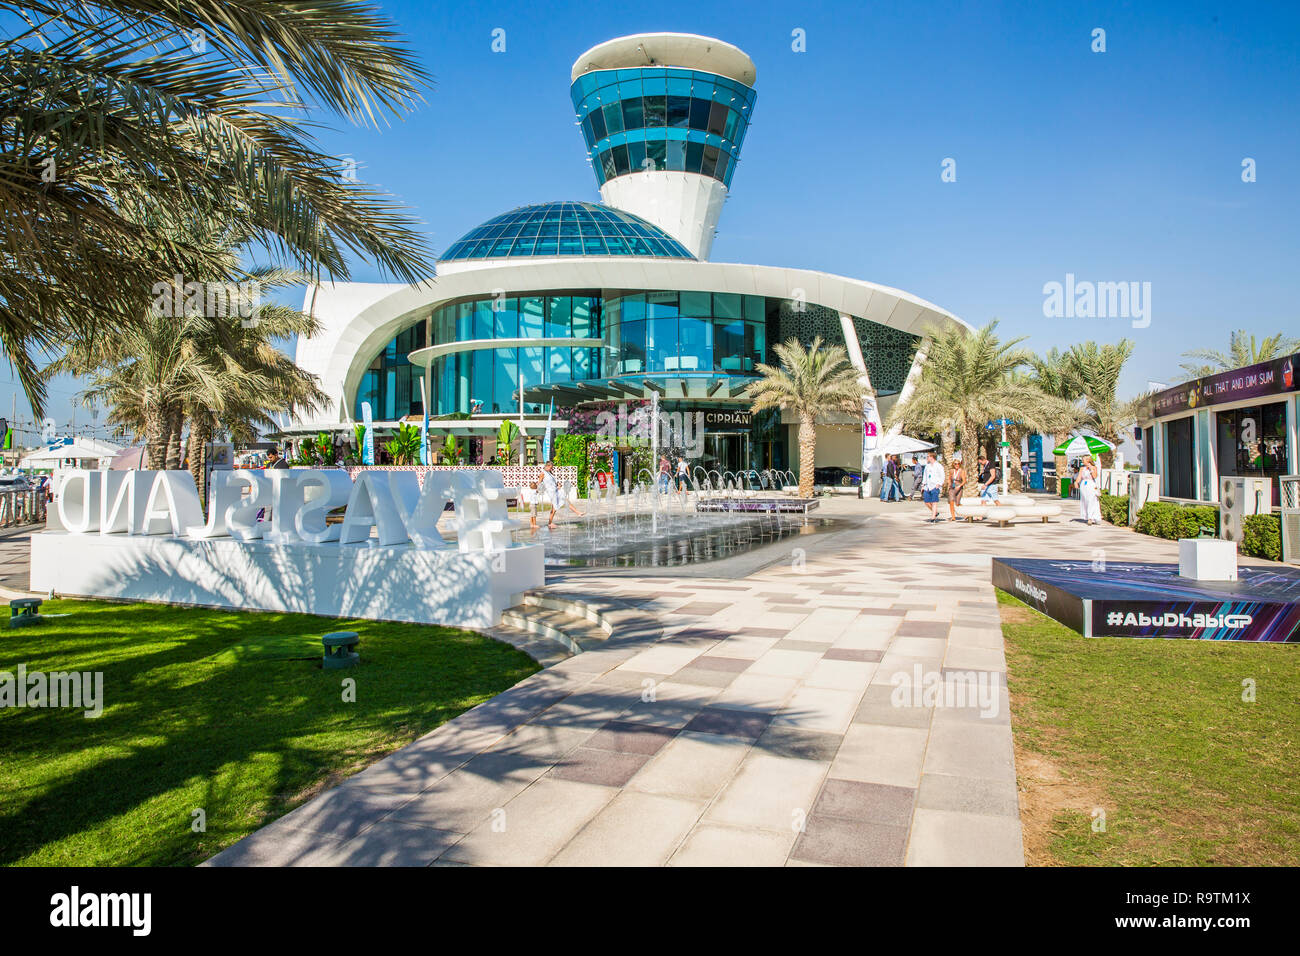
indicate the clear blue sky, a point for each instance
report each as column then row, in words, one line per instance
column 1115, row 166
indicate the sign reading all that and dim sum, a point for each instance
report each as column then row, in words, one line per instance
column 1274, row 377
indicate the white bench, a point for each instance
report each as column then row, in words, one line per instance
column 1011, row 507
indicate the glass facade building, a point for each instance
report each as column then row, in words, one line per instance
column 665, row 335
column 662, row 118
column 491, row 375
column 685, row 333
column 391, row 384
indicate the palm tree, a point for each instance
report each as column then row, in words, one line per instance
column 1242, row 351
column 810, row 382
column 1041, row 413
column 1095, row 370
column 1054, row 374
column 967, row 381
column 216, row 372
column 122, row 120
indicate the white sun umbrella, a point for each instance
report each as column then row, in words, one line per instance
column 903, row 445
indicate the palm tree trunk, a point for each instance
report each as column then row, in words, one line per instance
column 1014, row 482
column 200, row 432
column 155, row 433
column 175, row 422
column 948, row 447
column 970, row 453
column 807, row 454
column 1061, row 439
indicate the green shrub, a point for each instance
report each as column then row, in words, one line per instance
column 1262, row 537
column 1114, row 508
column 572, row 450
column 1165, row 519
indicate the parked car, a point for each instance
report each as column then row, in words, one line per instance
column 836, row 475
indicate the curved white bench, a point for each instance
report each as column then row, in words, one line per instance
column 1000, row 514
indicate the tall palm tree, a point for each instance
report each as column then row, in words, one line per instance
column 1095, row 370
column 219, row 372
column 810, row 382
column 966, row 382
column 121, row 118
column 1054, row 374
column 1243, row 350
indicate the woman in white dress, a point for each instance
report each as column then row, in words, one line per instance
column 1089, row 491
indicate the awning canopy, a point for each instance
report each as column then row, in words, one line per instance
column 79, row 449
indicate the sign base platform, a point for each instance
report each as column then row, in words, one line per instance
column 1151, row 600
column 396, row 583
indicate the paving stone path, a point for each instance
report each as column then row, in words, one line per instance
column 762, row 722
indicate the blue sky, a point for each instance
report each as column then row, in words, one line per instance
column 1115, row 166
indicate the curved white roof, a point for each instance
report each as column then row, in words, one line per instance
column 686, row 50
column 358, row 319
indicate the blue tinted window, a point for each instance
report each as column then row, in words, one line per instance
column 505, row 318
column 531, row 313
column 656, row 155
column 614, row 117
column 633, row 114
column 676, row 155
column 697, row 304
column 558, row 316
column 656, row 111
column 726, row 305
column 679, row 109
column 694, row 154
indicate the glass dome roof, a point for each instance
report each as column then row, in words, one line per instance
column 565, row 229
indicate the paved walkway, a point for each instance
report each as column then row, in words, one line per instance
column 15, row 559
column 764, row 725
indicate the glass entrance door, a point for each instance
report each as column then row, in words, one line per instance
column 724, row 451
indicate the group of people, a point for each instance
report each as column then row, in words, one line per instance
column 678, row 475
column 932, row 481
column 548, row 491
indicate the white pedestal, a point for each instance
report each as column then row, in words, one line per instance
column 1207, row 559
column 399, row 583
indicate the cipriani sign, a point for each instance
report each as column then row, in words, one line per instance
column 265, row 543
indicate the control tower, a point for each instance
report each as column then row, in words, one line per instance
column 664, row 116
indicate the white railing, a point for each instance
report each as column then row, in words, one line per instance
column 21, row 507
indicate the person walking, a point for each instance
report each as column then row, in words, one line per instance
column 665, row 469
column 956, row 485
column 682, row 474
column 889, row 487
column 989, row 473
column 1089, row 497
column 918, row 476
column 931, row 481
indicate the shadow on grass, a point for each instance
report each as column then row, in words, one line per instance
column 192, row 721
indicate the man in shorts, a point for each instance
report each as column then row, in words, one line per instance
column 988, row 479
column 931, row 481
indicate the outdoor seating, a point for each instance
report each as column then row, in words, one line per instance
column 1009, row 508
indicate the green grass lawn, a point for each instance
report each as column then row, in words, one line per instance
column 204, row 710
column 1156, row 734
